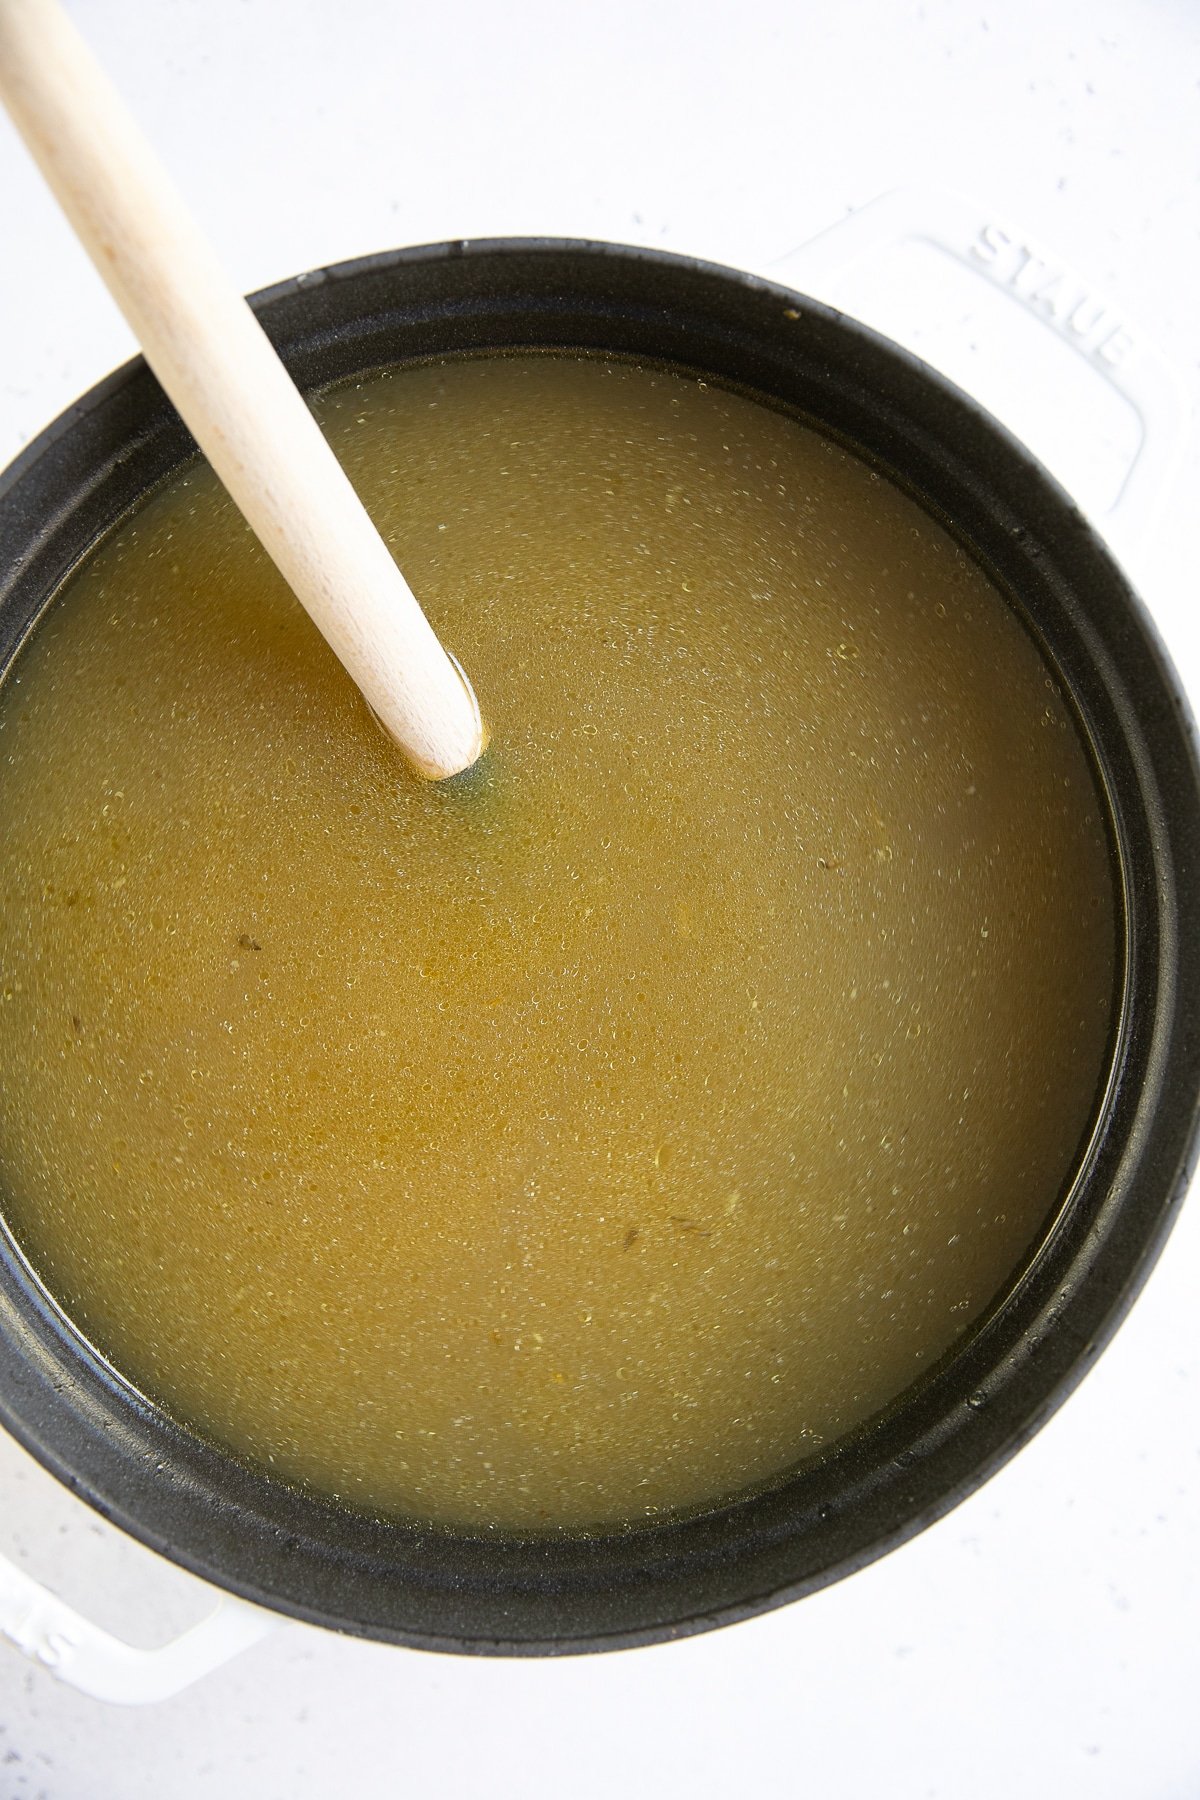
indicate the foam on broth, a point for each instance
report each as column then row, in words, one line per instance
column 605, row 1131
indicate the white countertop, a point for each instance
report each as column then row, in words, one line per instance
column 1042, row 1640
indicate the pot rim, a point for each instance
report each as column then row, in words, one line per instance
column 227, row 1524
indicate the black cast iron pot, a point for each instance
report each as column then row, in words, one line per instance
column 450, row 1591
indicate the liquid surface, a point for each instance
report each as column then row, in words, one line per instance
column 605, row 1131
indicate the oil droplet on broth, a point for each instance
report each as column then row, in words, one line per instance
column 606, row 1132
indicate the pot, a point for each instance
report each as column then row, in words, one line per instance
column 445, row 1590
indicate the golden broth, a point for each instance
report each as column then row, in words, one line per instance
column 608, row 1129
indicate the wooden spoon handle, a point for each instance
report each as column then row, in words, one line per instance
column 216, row 363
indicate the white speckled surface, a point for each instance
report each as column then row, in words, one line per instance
column 1042, row 1639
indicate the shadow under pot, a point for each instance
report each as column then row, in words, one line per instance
column 641, row 1182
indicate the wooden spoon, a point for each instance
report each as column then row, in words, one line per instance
column 214, row 360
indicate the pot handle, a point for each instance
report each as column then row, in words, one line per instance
column 92, row 1660
column 1049, row 291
